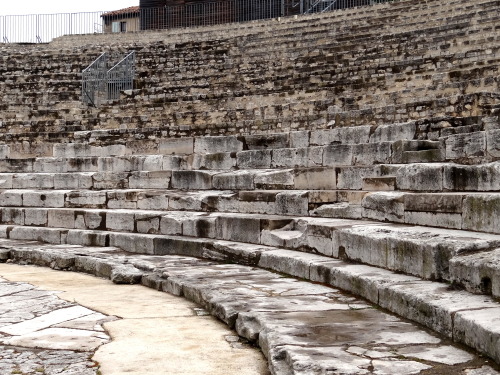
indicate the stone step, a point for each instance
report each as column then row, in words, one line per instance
column 414, row 250
column 455, row 314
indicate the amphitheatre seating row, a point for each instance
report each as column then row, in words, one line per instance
column 403, row 213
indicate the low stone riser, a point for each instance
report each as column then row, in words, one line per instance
column 455, row 314
column 420, row 251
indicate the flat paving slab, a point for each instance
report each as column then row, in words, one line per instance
column 62, row 323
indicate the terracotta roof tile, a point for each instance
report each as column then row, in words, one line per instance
column 129, row 10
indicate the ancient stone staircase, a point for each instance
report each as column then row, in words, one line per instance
column 358, row 149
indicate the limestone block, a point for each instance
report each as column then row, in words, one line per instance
column 482, row 213
column 150, row 180
column 6, row 181
column 122, row 199
column 170, row 162
column 126, row 274
column 241, row 229
column 420, row 177
column 35, row 216
column 267, row 141
column 148, row 223
column 254, row 159
column 315, row 179
column 73, row 180
column 299, row 138
column 114, row 164
column 152, row 201
column 344, row 135
column 354, row 197
column 61, row 219
column 11, row 198
column 71, row 150
column 222, row 160
column 274, row 179
column 87, row 238
column 48, row 235
column 379, row 183
column 4, row 151
column 53, row 199
column 146, row 162
column 33, row 181
column 351, row 178
column 192, row 180
column 288, row 261
column 343, row 210
column 436, row 219
column 135, row 243
column 465, row 145
column 90, row 219
column 12, row 216
column 338, row 154
column 297, row 157
column 451, row 203
column 82, row 165
column 200, row 226
column 50, row 165
column 81, row 199
column 17, row 165
column 178, row 146
column 33, row 149
column 484, row 177
column 120, row 221
column 222, row 144
column 493, row 142
column 478, row 273
column 110, row 180
column 384, row 206
column 192, row 247
column 372, row 153
column 415, row 299
column 394, row 132
column 234, row 180
column 171, row 223
column 109, row 150
column 479, row 329
column 292, row 203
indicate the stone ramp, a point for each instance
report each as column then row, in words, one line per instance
column 301, row 327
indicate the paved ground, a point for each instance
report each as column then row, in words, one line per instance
column 52, row 323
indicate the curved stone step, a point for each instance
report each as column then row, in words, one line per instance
column 454, row 314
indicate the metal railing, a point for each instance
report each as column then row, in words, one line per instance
column 42, row 28
column 99, row 85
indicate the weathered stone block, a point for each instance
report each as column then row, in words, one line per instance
column 299, row 138
column 135, row 243
column 148, row 223
column 394, row 132
column 372, row 153
column 292, row 203
column 338, row 154
column 152, row 201
column 234, row 180
column 178, row 146
column 6, row 181
column 200, row 226
column 12, row 216
column 53, row 199
column 351, row 178
column 221, row 160
column 344, row 135
column 384, row 206
column 254, row 159
column 315, row 179
column 267, row 141
column 420, row 177
column 114, row 164
column 122, row 199
column 482, row 213
column 10, row 198
column 212, row 145
column 465, row 145
column 86, row 199
column 192, row 180
column 120, row 221
column 87, row 238
column 81, row 180
column 110, row 180
column 33, row 181
column 451, row 203
column 61, row 219
column 274, row 179
column 149, row 180
column 298, row 157
column 242, row 229
column 484, row 177
column 493, row 142
column 435, row 219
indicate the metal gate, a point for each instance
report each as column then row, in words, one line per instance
column 99, row 85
